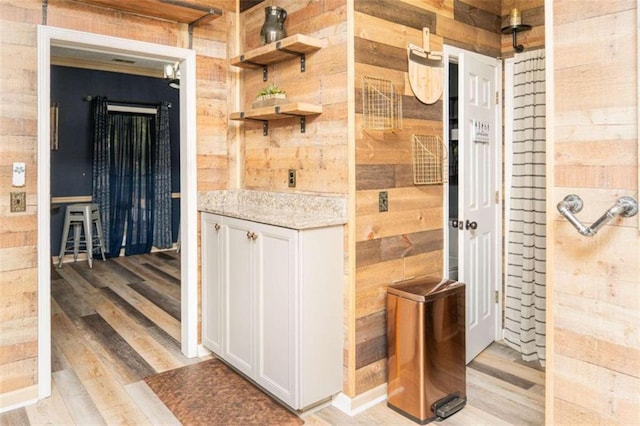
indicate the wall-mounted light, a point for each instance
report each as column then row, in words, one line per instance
column 515, row 26
column 172, row 74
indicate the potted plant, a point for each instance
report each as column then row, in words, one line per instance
column 269, row 96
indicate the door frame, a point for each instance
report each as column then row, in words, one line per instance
column 451, row 54
column 52, row 36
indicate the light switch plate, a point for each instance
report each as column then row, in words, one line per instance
column 18, row 202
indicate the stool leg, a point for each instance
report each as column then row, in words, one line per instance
column 88, row 235
column 63, row 243
column 98, row 224
column 77, row 231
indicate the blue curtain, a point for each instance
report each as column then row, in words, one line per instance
column 162, row 237
column 132, row 178
column 101, row 162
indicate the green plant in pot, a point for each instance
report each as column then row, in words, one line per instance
column 269, row 96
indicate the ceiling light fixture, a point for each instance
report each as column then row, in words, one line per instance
column 172, row 74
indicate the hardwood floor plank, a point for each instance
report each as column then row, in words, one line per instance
column 155, row 354
column 150, row 404
column 51, row 410
column 105, row 390
column 149, row 310
column 126, row 308
column 491, row 385
column 58, row 360
column 502, row 407
column 164, row 282
column 103, row 274
column 169, row 270
column 17, row 417
column 158, row 298
column 501, row 374
column 70, row 301
column 170, row 256
column 126, row 360
column 75, row 396
column 171, row 345
column 498, row 360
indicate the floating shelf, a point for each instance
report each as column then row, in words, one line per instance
column 297, row 45
column 171, row 10
column 278, row 112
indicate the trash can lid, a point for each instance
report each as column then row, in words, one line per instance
column 423, row 289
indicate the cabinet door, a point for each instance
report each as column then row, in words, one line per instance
column 240, row 320
column 212, row 275
column 277, row 312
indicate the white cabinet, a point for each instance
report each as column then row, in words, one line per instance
column 211, row 237
column 281, row 293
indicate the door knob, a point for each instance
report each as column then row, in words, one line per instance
column 470, row 225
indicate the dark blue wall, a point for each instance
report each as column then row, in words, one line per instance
column 72, row 163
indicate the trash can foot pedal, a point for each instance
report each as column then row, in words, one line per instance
column 448, row 406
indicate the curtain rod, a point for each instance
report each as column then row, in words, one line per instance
column 132, row 103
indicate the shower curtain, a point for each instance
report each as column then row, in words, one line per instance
column 132, row 178
column 525, row 307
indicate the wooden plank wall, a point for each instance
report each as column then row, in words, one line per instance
column 595, row 297
column 18, row 128
column 319, row 155
column 407, row 240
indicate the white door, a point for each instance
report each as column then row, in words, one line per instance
column 212, row 281
column 277, row 314
column 239, row 294
column 479, row 165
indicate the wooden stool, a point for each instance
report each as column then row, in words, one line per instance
column 82, row 217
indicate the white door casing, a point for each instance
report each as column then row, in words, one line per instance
column 479, row 149
column 52, row 36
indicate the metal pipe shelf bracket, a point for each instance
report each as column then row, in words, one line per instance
column 572, row 204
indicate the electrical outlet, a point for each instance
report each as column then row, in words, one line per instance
column 291, row 178
column 18, row 202
column 383, row 201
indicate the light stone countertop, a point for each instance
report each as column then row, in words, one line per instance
column 289, row 210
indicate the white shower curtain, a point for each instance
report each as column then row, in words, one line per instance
column 525, row 307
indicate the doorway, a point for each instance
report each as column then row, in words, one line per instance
column 81, row 41
column 472, row 218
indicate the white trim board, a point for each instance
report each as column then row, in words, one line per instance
column 51, row 36
column 362, row 402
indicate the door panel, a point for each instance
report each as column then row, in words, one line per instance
column 276, row 287
column 478, row 145
column 240, row 304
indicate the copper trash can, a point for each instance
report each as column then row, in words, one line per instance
column 426, row 348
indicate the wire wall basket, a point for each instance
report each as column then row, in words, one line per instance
column 381, row 105
column 429, row 165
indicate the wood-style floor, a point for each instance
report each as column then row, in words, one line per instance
column 119, row 322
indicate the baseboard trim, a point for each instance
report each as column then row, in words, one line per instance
column 203, row 352
column 362, row 402
column 18, row 398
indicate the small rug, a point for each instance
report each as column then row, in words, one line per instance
column 211, row 393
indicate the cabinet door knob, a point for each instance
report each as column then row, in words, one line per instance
column 252, row 235
column 217, row 226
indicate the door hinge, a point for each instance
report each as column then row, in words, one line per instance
column 497, row 297
column 497, row 98
column 497, row 197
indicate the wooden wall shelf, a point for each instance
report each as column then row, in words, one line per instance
column 297, row 45
column 171, row 10
column 278, row 112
